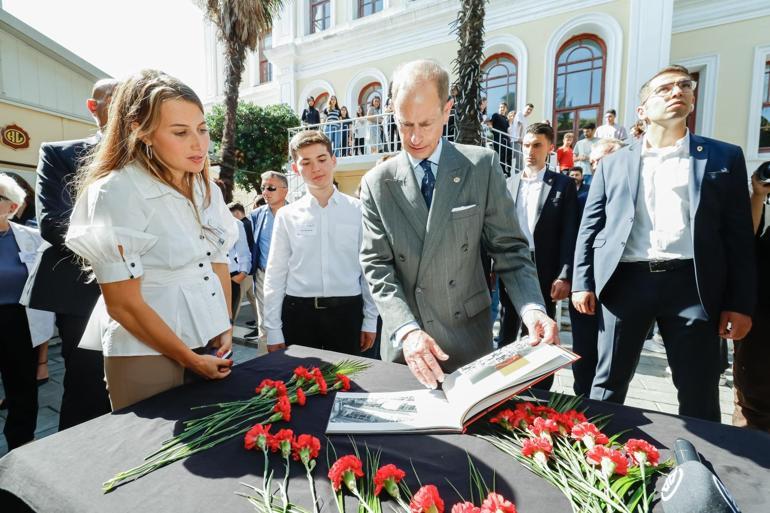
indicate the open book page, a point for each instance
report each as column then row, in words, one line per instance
column 490, row 379
column 377, row 412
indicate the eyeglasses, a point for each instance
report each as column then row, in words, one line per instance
column 273, row 188
column 685, row 85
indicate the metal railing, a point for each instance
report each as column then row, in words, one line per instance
column 367, row 138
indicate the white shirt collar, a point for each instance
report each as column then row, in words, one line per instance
column 680, row 148
column 333, row 199
column 539, row 177
column 433, row 156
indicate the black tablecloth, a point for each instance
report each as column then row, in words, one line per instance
column 64, row 472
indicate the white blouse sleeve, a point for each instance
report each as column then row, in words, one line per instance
column 106, row 219
column 219, row 225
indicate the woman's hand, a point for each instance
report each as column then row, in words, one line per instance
column 211, row 367
column 222, row 342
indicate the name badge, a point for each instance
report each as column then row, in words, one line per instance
column 307, row 230
column 27, row 257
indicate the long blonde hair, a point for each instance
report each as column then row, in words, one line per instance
column 133, row 116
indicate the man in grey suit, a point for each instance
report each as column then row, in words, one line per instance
column 427, row 214
column 666, row 236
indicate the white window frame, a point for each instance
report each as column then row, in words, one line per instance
column 761, row 56
column 516, row 47
column 307, row 22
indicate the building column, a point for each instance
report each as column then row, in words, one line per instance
column 649, row 48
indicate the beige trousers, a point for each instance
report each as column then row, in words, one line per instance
column 131, row 379
column 247, row 289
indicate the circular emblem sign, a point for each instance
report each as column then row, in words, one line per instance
column 15, row 137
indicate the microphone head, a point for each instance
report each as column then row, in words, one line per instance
column 684, row 451
column 693, row 488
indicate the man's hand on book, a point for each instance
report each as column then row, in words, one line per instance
column 420, row 353
column 541, row 327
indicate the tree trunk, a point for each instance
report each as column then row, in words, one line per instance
column 467, row 67
column 233, row 72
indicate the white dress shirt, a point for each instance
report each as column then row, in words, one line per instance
column 527, row 204
column 519, row 126
column 314, row 253
column 608, row 131
column 239, row 256
column 165, row 245
column 661, row 229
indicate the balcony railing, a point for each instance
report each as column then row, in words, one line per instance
column 365, row 139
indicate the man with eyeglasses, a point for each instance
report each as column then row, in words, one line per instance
column 667, row 236
column 275, row 187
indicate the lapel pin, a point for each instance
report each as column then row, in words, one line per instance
column 456, row 179
column 699, row 148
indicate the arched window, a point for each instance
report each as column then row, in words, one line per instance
column 499, row 78
column 320, row 101
column 368, row 92
column 580, row 67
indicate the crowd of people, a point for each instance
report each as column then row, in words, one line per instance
column 134, row 256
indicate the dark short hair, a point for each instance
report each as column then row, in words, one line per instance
column 590, row 125
column 530, row 105
column 309, row 98
column 541, row 129
column 308, row 138
column 611, row 111
column 576, row 168
column 644, row 91
column 504, row 103
column 238, row 207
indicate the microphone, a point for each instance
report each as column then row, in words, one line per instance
column 693, row 488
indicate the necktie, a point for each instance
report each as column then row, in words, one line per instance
column 428, row 182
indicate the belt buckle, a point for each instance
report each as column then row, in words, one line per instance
column 657, row 266
column 316, row 305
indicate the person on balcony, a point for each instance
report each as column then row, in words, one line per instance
column 346, row 125
column 375, row 127
column 502, row 143
column 360, row 127
column 311, row 116
column 332, row 129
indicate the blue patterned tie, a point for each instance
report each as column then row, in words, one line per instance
column 428, row 182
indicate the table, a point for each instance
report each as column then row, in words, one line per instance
column 64, row 472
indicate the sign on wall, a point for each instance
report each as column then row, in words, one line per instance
column 15, row 137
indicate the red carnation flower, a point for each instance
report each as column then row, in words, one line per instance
column 589, row 434
column 496, row 503
column 301, row 397
column 265, row 386
column 303, row 375
column 282, row 441
column 611, row 461
column 319, row 380
column 427, row 500
column 257, row 436
column 346, row 470
column 282, row 409
column 465, row 507
column 388, row 477
column 538, row 448
column 543, row 427
column 306, row 448
column 511, row 420
column 280, row 388
column 641, row 452
column 342, row 382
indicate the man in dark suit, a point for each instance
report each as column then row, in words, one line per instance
column 666, row 235
column 60, row 285
column 421, row 252
column 275, row 187
column 546, row 209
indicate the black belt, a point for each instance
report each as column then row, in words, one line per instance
column 319, row 303
column 659, row 266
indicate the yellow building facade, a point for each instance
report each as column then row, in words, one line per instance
column 573, row 60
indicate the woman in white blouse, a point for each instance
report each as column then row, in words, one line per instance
column 155, row 233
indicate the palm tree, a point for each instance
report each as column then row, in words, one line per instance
column 240, row 25
column 467, row 68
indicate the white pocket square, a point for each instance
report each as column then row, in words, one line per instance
column 464, row 207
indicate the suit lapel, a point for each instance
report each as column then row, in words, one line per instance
column 633, row 172
column 698, row 162
column 513, row 186
column 545, row 190
column 407, row 194
column 450, row 180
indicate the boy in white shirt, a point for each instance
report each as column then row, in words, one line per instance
column 315, row 292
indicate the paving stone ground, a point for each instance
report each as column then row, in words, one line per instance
column 651, row 388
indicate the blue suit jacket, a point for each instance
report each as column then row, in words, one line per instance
column 720, row 222
column 257, row 218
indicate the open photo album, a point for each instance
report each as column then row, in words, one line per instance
column 464, row 396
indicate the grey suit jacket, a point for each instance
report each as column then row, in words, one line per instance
column 426, row 266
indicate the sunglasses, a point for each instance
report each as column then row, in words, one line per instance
column 273, row 188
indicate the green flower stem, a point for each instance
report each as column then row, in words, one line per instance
column 311, row 484
column 361, row 500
